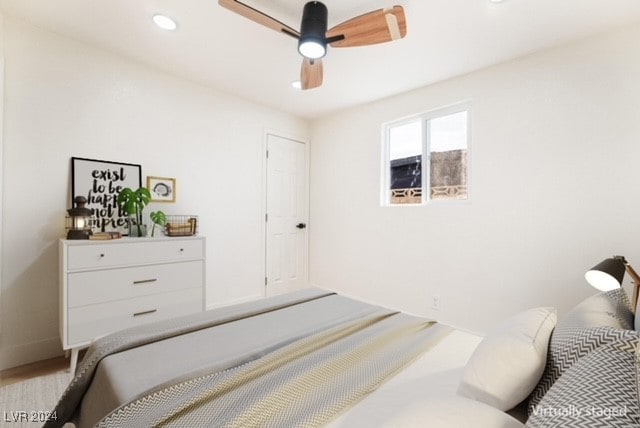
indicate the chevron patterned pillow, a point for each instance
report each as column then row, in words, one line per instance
column 607, row 309
column 600, row 390
column 597, row 321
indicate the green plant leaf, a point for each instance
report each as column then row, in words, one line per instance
column 133, row 202
column 159, row 218
column 144, row 196
column 125, row 200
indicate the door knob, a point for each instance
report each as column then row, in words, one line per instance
column 301, row 226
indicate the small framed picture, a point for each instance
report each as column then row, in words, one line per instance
column 163, row 189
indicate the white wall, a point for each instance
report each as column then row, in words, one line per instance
column 555, row 140
column 554, row 189
column 1, row 151
column 64, row 98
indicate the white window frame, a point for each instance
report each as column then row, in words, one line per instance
column 425, row 117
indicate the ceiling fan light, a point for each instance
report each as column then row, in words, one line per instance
column 312, row 49
column 313, row 29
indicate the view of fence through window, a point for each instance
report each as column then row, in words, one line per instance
column 444, row 139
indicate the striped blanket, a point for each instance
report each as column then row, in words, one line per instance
column 303, row 380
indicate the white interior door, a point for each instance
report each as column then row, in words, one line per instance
column 286, row 217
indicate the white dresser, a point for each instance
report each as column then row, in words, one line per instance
column 110, row 285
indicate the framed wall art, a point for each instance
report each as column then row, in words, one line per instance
column 100, row 182
column 163, row 189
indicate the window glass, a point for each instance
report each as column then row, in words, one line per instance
column 405, row 166
column 441, row 140
column 448, row 156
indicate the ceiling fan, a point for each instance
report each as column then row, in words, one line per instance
column 379, row 26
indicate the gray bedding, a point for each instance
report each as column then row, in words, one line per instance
column 178, row 361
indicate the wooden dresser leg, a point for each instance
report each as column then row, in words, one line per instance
column 74, row 360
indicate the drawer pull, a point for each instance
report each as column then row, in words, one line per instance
column 144, row 281
column 137, row 314
column 102, row 255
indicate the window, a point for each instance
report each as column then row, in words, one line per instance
column 436, row 143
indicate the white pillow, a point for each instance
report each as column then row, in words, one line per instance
column 509, row 362
column 450, row 412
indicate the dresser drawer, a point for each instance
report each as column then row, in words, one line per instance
column 93, row 255
column 89, row 322
column 101, row 286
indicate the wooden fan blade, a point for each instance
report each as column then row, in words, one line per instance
column 379, row 26
column 256, row 16
column 311, row 73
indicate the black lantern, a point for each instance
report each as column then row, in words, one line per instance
column 78, row 222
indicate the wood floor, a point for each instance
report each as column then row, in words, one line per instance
column 29, row 371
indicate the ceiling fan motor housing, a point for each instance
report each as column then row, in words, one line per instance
column 313, row 29
column 377, row 26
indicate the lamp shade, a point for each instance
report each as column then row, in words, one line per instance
column 606, row 275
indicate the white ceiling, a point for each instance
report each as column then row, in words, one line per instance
column 218, row 48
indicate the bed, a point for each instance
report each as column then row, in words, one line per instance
column 315, row 358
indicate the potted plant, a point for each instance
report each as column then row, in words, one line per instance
column 159, row 218
column 133, row 202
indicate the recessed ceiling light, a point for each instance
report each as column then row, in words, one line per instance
column 296, row 84
column 165, row 22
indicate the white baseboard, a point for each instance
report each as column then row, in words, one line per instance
column 236, row 301
column 30, row 353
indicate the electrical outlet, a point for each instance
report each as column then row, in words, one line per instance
column 435, row 302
